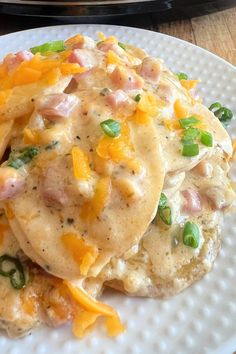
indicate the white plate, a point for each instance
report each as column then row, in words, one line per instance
column 203, row 318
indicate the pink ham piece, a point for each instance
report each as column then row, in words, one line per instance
column 83, row 57
column 117, row 99
column 56, row 106
column 126, row 79
column 193, row 201
column 150, row 70
column 53, row 189
column 11, row 61
column 11, row 183
column 166, row 93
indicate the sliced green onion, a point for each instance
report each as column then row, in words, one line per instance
column 137, row 98
column 105, row 91
column 190, row 150
column 215, row 106
column 54, row 46
column 15, row 272
column 111, row 127
column 222, row 113
column 162, row 201
column 188, row 122
column 190, row 135
column 24, row 156
column 122, row 45
column 164, row 211
column 165, row 215
column 191, row 235
column 206, row 138
column 182, row 76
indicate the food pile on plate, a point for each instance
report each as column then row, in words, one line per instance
column 113, row 174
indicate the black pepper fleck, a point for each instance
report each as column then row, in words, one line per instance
column 70, row 221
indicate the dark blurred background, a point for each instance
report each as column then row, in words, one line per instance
column 127, row 12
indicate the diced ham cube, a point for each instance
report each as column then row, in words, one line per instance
column 11, row 183
column 117, row 99
column 24, row 55
column 83, row 57
column 150, row 69
column 56, row 106
column 11, row 61
column 166, row 93
column 53, row 189
column 193, row 201
column 126, row 79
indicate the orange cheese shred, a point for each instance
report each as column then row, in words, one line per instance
column 25, row 76
column 87, row 302
column 30, row 136
column 83, row 320
column 71, row 69
column 83, row 254
column 148, row 103
column 113, row 58
column 181, row 111
column 116, row 149
column 172, row 124
column 189, row 84
column 3, row 229
column 4, row 96
column 94, row 207
column 140, row 117
column 80, row 161
column 101, row 36
column 78, row 38
column 52, row 77
column 83, row 323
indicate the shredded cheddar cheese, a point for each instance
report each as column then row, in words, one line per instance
column 101, row 36
column 181, row 111
column 78, row 38
column 4, row 96
column 172, row 124
column 94, row 207
column 26, row 76
column 3, row 229
column 84, row 254
column 80, row 161
column 87, row 302
column 71, row 69
column 116, row 149
column 140, row 117
column 83, row 320
column 189, row 84
column 113, row 58
column 30, row 136
column 148, row 104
